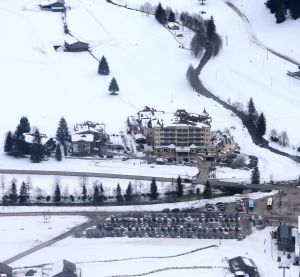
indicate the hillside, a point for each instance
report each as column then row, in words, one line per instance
column 148, row 65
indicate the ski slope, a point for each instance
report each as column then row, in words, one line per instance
column 149, row 67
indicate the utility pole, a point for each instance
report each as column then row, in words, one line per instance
column 284, row 268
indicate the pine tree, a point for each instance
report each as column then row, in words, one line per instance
column 294, row 7
column 113, row 87
column 261, row 125
column 102, row 196
column 272, row 5
column 119, row 196
column 84, row 192
column 153, row 190
column 62, row 133
column 280, row 12
column 36, row 148
column 207, row 193
column 96, row 195
column 13, row 195
column 23, row 127
column 58, row 155
column 160, row 15
column 255, row 176
column 179, row 187
column 103, row 68
column 251, row 110
column 128, row 195
column 172, row 17
column 8, row 144
column 23, row 196
column 57, row 194
column 211, row 28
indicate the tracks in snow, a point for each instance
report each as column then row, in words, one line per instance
column 254, row 38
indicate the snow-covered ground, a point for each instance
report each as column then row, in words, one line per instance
column 18, row 234
column 49, row 84
column 257, row 247
column 150, row 207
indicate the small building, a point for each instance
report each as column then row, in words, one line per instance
column 5, row 270
column 55, row 6
column 240, row 266
column 77, row 46
column 285, row 239
column 81, row 144
column 63, row 268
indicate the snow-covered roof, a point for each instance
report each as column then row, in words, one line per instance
column 247, row 262
column 139, row 136
column 172, row 146
column 183, row 149
column 86, row 137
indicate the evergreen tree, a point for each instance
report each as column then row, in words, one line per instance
column 8, row 144
column 102, row 196
column 62, row 133
column 103, row 68
column 255, row 176
column 128, row 195
column 261, row 124
column 172, row 17
column 251, row 110
column 84, row 192
column 113, row 87
column 13, row 195
column 179, row 187
column 294, row 7
column 25, row 125
column 160, row 15
column 207, row 193
column 153, row 190
column 272, row 5
column 280, row 12
column 96, row 195
column 23, row 196
column 119, row 196
column 211, row 28
column 58, row 155
column 36, row 148
column 57, row 194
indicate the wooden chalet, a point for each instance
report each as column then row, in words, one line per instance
column 77, row 46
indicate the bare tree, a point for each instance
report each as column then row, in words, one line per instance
column 284, row 139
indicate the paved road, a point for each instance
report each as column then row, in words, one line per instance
column 83, row 174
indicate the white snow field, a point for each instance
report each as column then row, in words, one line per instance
column 150, row 70
column 257, row 246
column 18, row 234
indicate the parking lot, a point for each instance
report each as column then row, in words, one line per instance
column 204, row 225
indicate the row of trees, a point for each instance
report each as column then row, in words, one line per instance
column 97, row 196
column 280, row 8
column 15, row 144
column 258, row 120
column 103, row 69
